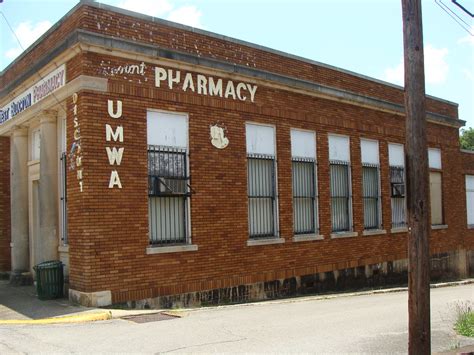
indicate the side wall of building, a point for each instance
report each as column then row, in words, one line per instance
column 108, row 228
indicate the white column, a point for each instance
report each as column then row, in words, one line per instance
column 19, row 202
column 47, row 244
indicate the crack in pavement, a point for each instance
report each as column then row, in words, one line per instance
column 202, row 344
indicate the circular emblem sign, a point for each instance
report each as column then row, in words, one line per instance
column 218, row 138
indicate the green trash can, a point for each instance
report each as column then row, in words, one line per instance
column 49, row 279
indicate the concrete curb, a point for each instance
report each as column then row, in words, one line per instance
column 76, row 318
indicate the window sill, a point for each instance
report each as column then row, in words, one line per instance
column 63, row 248
column 470, row 226
column 171, row 249
column 307, row 238
column 369, row 232
column 344, row 235
column 399, row 230
column 439, row 226
column 255, row 242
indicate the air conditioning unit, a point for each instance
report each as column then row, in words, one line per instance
column 398, row 190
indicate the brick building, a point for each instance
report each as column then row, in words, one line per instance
column 165, row 164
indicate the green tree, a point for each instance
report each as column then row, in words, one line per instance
column 466, row 139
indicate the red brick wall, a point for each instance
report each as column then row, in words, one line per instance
column 5, row 236
column 108, row 228
column 468, row 162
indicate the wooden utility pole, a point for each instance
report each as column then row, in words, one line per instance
column 419, row 337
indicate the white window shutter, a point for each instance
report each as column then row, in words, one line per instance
column 369, row 151
column 303, row 144
column 339, row 148
column 167, row 129
column 260, row 139
column 434, row 158
column 396, row 155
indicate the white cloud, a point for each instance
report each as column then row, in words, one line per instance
column 13, row 53
column 187, row 15
column 27, row 33
column 395, row 75
column 436, row 67
column 468, row 73
column 469, row 39
column 154, row 8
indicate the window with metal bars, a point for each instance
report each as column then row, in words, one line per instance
column 262, row 196
column 63, row 197
column 397, row 185
column 168, row 195
column 371, row 195
column 341, row 220
column 304, row 196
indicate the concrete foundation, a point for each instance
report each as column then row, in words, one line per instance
column 444, row 267
column 91, row 299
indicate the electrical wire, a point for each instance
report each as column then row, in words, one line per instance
column 463, row 8
column 455, row 14
column 454, row 18
column 37, row 72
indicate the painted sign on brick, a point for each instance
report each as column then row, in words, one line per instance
column 205, row 84
column 43, row 88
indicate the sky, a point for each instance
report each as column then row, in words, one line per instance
column 363, row 36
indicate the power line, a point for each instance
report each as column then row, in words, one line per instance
column 442, row 6
column 463, row 8
column 23, row 49
column 455, row 14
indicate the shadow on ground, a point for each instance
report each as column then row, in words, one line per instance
column 21, row 302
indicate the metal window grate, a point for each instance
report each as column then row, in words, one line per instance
column 370, row 187
column 340, row 196
column 397, row 184
column 168, row 194
column 63, row 198
column 304, row 196
column 262, row 196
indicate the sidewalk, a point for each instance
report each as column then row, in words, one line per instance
column 21, row 302
column 20, row 305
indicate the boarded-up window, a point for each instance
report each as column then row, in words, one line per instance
column 436, row 197
column 470, row 199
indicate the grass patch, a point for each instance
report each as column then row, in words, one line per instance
column 464, row 324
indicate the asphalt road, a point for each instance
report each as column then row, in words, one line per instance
column 356, row 324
